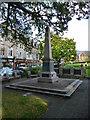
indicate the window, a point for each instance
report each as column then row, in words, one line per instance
column 10, row 44
column 16, row 45
column 1, row 40
column 10, row 53
column 20, row 45
column 26, row 54
column 17, row 54
column 29, row 55
column 21, row 54
column 2, row 51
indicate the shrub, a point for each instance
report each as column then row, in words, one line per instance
column 27, row 72
column 30, row 68
column 26, row 69
column 39, row 68
column 87, row 67
column 36, row 70
column 22, row 74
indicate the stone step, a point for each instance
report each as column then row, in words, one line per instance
column 40, row 88
column 71, row 91
column 72, row 85
column 33, row 90
column 67, row 92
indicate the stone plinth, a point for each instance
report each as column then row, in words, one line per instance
column 48, row 74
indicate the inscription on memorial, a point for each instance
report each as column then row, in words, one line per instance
column 45, row 75
column 46, row 66
column 66, row 71
column 77, row 72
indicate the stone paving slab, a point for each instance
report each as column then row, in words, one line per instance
column 61, row 84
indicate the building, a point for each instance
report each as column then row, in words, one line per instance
column 81, row 55
column 15, row 55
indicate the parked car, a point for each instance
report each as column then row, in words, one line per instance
column 22, row 67
column 18, row 71
column 6, row 71
column 34, row 66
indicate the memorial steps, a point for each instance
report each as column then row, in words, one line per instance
column 66, row 92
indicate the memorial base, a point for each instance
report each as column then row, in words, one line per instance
column 49, row 77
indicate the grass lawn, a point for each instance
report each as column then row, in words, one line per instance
column 14, row 105
column 73, row 65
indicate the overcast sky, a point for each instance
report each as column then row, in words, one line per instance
column 79, row 31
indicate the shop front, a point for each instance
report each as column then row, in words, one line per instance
column 4, row 62
column 19, row 61
column 7, row 62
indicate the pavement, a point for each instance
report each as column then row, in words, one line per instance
column 77, row 106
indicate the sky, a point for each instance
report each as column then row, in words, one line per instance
column 79, row 31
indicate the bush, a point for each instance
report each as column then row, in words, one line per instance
column 39, row 68
column 36, row 70
column 22, row 74
column 26, row 69
column 87, row 67
column 27, row 72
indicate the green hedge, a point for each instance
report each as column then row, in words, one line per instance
column 36, row 70
column 22, row 74
column 26, row 69
column 87, row 67
column 87, row 71
column 76, row 65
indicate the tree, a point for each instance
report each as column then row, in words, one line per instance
column 19, row 17
column 61, row 48
column 85, row 58
column 41, row 47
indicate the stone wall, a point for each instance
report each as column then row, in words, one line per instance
column 72, row 72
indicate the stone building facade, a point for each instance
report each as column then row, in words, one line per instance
column 15, row 55
column 81, row 56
